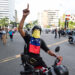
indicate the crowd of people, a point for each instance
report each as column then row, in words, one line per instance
column 4, row 33
column 62, row 32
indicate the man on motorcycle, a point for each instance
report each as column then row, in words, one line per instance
column 34, row 42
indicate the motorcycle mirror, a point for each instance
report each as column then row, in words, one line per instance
column 57, row 49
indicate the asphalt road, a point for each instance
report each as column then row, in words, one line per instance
column 10, row 54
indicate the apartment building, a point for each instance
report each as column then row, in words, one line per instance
column 7, row 9
column 49, row 17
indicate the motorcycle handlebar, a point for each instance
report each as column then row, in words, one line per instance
column 58, row 62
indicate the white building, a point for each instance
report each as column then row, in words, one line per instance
column 7, row 9
column 49, row 17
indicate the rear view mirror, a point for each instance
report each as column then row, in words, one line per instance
column 57, row 49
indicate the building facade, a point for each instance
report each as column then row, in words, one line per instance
column 7, row 9
column 49, row 17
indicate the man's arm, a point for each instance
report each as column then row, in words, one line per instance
column 25, row 14
column 46, row 49
column 53, row 54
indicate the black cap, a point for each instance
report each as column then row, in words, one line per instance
column 36, row 27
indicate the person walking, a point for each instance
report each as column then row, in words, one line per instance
column 11, row 35
column 4, row 36
column 59, row 33
column 1, row 34
column 55, row 33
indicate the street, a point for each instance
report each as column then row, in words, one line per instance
column 10, row 53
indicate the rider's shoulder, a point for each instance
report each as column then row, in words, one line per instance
column 42, row 40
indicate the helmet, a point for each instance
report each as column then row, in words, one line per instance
column 61, row 70
column 36, row 27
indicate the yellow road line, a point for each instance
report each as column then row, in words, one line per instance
column 9, row 58
column 57, row 43
column 17, row 56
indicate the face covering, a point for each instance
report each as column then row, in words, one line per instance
column 36, row 33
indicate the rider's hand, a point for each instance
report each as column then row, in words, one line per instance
column 60, row 58
column 26, row 11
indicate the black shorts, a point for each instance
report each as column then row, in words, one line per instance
column 37, row 61
column 34, row 61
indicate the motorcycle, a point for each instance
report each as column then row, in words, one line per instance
column 71, row 38
column 56, row 69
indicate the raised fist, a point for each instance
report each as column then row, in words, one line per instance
column 26, row 11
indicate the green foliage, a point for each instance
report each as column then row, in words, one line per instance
column 71, row 24
column 11, row 22
column 48, row 26
column 62, row 24
column 4, row 21
column 27, row 25
column 14, row 24
column 31, row 24
column 0, row 23
column 35, row 22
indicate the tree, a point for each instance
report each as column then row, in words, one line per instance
column 4, row 22
column 35, row 22
column 14, row 24
column 31, row 24
column 27, row 25
column 71, row 24
column 48, row 26
column 62, row 24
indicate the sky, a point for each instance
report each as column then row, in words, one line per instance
column 35, row 6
